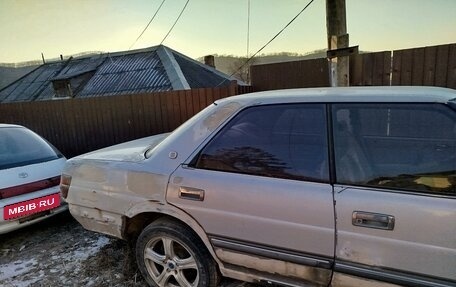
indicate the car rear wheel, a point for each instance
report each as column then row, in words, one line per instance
column 169, row 255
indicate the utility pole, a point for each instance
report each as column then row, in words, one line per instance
column 336, row 27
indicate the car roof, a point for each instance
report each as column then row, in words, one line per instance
column 10, row 126
column 349, row 95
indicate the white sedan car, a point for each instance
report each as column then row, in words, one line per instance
column 29, row 177
column 308, row 187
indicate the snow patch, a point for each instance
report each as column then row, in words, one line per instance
column 22, row 273
column 85, row 252
column 16, row 268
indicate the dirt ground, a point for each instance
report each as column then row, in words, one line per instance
column 59, row 252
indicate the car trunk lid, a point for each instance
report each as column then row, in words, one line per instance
column 132, row 151
column 26, row 179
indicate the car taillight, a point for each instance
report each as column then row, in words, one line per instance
column 28, row 187
column 65, row 182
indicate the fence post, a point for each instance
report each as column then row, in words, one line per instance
column 233, row 88
column 337, row 38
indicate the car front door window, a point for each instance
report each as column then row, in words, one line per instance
column 284, row 141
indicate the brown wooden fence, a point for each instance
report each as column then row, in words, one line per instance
column 372, row 69
column 428, row 66
column 286, row 75
column 425, row 66
column 77, row 126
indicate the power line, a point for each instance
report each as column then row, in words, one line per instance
column 272, row 39
column 178, row 17
column 147, row 26
column 248, row 27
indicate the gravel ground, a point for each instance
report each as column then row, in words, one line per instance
column 59, row 252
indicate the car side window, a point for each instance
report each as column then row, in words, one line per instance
column 282, row 141
column 401, row 146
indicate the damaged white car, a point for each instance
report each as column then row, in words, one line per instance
column 305, row 187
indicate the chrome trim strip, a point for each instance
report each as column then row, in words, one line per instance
column 276, row 282
column 342, row 187
column 308, row 260
column 390, row 276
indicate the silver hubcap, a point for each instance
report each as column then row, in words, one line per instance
column 170, row 263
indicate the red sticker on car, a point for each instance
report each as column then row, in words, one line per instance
column 31, row 206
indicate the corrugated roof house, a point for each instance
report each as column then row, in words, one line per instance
column 153, row 69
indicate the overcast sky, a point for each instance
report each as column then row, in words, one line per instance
column 53, row 27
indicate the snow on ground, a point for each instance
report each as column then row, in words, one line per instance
column 11, row 270
column 94, row 248
column 52, row 253
column 29, row 270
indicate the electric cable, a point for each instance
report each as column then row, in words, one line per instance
column 248, row 37
column 248, row 27
column 265, row 45
column 147, row 26
column 175, row 22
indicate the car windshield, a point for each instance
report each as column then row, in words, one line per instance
column 19, row 147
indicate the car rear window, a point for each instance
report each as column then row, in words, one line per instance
column 20, row 146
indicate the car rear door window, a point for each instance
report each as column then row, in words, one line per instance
column 282, row 141
column 403, row 146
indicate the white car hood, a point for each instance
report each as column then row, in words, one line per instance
column 132, row 151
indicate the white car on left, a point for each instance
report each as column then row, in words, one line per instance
column 30, row 169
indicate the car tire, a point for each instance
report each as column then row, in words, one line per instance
column 168, row 253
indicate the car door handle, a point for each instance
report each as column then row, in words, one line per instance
column 373, row 220
column 191, row 193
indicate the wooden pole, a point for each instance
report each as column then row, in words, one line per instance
column 336, row 27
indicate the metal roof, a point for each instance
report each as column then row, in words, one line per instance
column 121, row 74
column 75, row 67
column 152, row 69
column 32, row 86
column 199, row 75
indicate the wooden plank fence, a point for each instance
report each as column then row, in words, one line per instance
column 425, row 66
column 372, row 69
column 76, row 126
column 287, row 75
